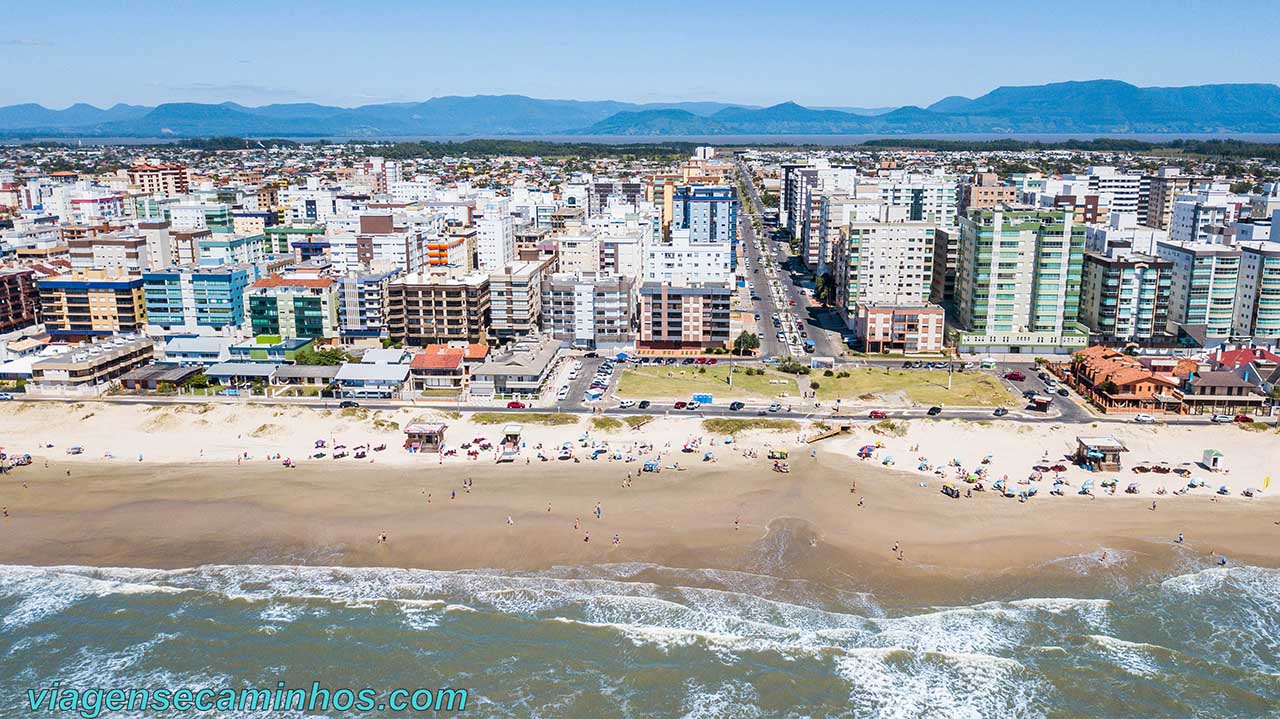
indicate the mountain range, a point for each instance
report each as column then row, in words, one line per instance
column 1094, row 106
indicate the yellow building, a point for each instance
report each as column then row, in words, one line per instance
column 92, row 303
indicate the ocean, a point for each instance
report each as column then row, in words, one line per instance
column 639, row 640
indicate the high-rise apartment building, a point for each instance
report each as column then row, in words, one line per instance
column 1205, row 279
column 1125, row 298
column 438, row 307
column 188, row 298
column 92, row 303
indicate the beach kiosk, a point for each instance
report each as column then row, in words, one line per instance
column 424, row 437
column 1213, row 460
column 1099, row 454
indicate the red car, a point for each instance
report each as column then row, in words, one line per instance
column 791, row 303
column 1015, row 376
column 681, row 405
column 877, row 414
column 1243, row 418
column 712, row 360
column 516, row 405
column 700, row 360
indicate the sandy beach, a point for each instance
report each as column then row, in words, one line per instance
column 195, row 499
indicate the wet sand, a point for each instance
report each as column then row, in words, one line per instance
column 806, row 524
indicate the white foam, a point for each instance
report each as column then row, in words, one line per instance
column 1134, row 658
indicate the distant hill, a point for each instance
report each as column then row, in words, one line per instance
column 1095, row 106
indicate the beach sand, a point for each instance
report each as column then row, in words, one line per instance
column 189, row 502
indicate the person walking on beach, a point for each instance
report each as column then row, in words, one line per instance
column 586, row 537
column 1179, row 539
column 382, row 538
column 735, row 523
column 895, row 547
column 1153, row 505
column 861, row 501
column 510, row 521
column 599, row 512
column 577, row 523
column 616, row 540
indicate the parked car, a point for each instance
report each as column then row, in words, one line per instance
column 686, row 361
column 563, row 394
column 681, row 405
column 1000, row 412
column 700, row 360
column 1222, row 418
column 879, row 414
column 906, row 365
column 591, row 355
column 735, row 406
column 1015, row 376
column 1144, row 419
column 693, row 405
column 1029, row 393
column 1243, row 418
column 775, row 407
column 1062, row 392
column 5, row 396
column 935, row 411
column 513, row 404
column 644, row 404
column 626, row 404
column 344, row 404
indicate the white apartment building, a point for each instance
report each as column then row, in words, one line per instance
column 1194, row 212
column 495, row 233
column 1118, row 192
column 1122, row 235
column 1205, row 280
column 682, row 261
column 310, row 204
column 883, row 263
column 1257, row 304
column 579, row 249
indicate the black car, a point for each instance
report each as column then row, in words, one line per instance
column 644, row 404
column 686, row 360
column 1062, row 392
column 935, row 411
column 591, row 355
column 906, row 365
column 348, row 403
column 735, row 406
column 1000, row 412
column 1029, row 393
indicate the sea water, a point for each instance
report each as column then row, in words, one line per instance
column 639, row 640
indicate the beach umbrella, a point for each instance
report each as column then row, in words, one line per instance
column 1088, row 484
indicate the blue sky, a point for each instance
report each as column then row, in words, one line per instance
column 819, row 52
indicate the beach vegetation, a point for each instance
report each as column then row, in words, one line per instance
column 323, row 357
column 354, row 412
column 730, row 426
column 890, row 428
column 606, row 424
column 551, row 419
column 385, row 424
column 636, row 421
column 1253, row 426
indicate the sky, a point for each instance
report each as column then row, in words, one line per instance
column 839, row 53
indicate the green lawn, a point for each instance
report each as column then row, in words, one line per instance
column 682, row 382
column 925, row 387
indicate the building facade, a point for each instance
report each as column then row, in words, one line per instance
column 439, row 307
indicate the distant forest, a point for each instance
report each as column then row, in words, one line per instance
column 1231, row 149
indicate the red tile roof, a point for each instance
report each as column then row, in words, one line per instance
column 282, row 281
column 437, row 357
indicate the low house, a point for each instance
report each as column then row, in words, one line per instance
column 240, row 374
column 1221, row 392
column 197, row 351
column 522, row 370
column 152, row 376
column 1116, row 382
column 438, row 367
column 357, row 379
column 269, row 348
column 305, row 374
column 386, row 356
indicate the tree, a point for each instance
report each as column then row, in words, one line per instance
column 323, row 357
column 746, row 343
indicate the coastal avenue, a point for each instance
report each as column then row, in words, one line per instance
column 819, row 324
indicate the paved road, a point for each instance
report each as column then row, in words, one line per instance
column 822, row 325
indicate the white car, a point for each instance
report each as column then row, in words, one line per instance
column 4, row 396
column 693, row 405
column 626, row 404
column 563, row 394
column 1144, row 419
column 775, row 407
column 1222, row 418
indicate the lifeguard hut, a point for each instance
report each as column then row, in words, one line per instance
column 1213, row 460
column 424, row 437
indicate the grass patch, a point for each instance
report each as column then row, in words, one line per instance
column 606, row 424
column 890, row 428
column 1253, row 426
column 682, row 382
column 442, row 393
column 385, row 424
column 354, row 412
column 637, row 420
column 265, row 430
column 926, row 387
column 549, row 419
column 725, row 425
column 451, row 414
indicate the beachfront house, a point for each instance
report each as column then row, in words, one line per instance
column 358, row 379
column 1221, row 392
column 438, row 369
column 269, row 348
column 520, row 371
column 235, row 375
column 296, row 375
column 1116, row 382
column 197, row 351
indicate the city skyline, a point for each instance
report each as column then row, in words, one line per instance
column 342, row 55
